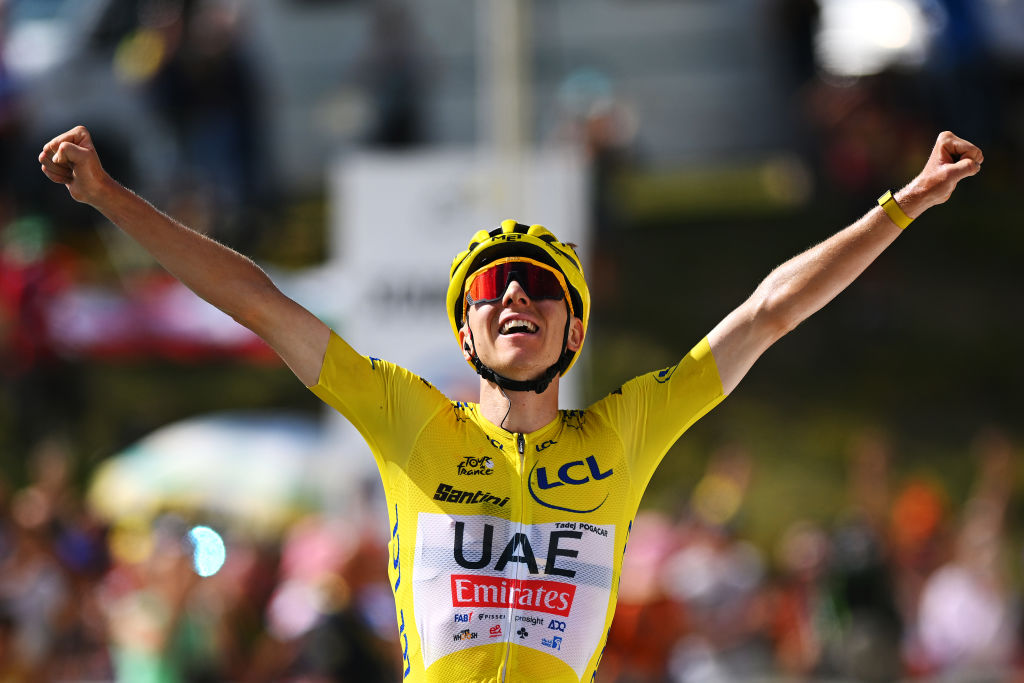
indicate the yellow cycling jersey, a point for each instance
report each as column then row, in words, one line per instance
column 506, row 548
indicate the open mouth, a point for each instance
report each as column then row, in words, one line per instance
column 518, row 327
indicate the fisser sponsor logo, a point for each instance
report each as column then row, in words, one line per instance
column 535, row 595
column 466, row 634
column 471, row 466
column 450, row 494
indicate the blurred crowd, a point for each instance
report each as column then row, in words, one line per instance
column 86, row 600
column 905, row 583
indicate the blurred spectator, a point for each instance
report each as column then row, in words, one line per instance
column 718, row 579
column 796, row 22
column 967, row 621
column 32, row 584
column 647, row 622
column 864, row 645
column 13, row 668
column 919, row 542
column 393, row 69
column 800, row 619
column 960, row 73
column 208, row 89
column 11, row 128
column 603, row 126
column 316, row 619
column 42, row 387
column 159, row 627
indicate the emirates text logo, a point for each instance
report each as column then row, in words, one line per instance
column 535, row 595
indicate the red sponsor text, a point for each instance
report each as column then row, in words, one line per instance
column 534, row 595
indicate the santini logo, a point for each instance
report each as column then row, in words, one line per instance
column 450, row 494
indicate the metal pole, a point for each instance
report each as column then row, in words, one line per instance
column 503, row 77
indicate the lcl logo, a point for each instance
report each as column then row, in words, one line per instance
column 565, row 477
column 572, row 473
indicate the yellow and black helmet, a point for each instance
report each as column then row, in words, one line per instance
column 515, row 239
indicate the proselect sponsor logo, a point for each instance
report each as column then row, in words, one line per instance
column 535, row 595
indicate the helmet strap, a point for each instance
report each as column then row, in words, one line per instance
column 538, row 384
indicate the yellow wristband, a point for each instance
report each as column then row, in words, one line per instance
column 893, row 210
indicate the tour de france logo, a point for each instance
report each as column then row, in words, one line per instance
column 475, row 466
column 579, row 486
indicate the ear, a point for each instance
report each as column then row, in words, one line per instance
column 576, row 334
column 467, row 345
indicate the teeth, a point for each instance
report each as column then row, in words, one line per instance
column 518, row 325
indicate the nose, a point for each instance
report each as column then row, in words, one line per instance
column 515, row 294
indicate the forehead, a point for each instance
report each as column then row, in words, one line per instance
column 514, row 263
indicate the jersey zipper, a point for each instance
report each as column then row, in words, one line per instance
column 521, row 447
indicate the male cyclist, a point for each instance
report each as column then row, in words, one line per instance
column 509, row 517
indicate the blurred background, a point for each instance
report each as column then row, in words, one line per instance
column 175, row 506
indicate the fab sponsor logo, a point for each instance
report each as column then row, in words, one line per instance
column 474, row 466
column 579, row 486
column 463, row 618
column 535, row 595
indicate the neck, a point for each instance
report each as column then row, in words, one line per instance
column 528, row 412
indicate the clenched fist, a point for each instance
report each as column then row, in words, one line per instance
column 71, row 160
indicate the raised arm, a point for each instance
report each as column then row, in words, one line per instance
column 221, row 276
column 805, row 283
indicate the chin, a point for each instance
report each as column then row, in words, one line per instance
column 520, row 371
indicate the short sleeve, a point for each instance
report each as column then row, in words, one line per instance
column 651, row 412
column 387, row 404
